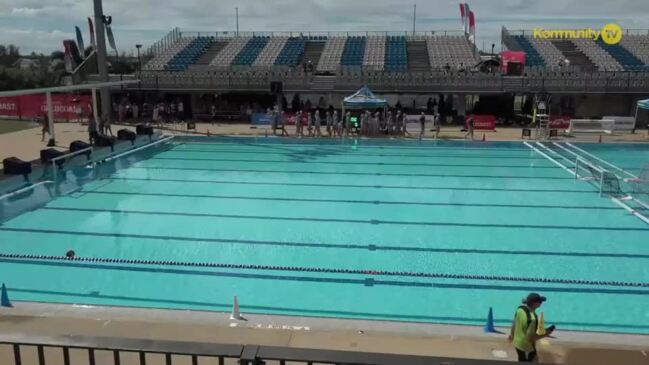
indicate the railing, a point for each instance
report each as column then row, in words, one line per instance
column 116, row 351
column 385, row 82
column 318, row 35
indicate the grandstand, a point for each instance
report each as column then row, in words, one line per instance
column 632, row 54
column 390, row 62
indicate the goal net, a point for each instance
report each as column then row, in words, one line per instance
column 591, row 126
column 606, row 181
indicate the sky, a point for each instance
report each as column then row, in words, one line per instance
column 42, row 25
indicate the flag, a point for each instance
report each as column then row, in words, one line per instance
column 92, row 33
column 111, row 39
column 67, row 55
column 472, row 25
column 462, row 14
column 467, row 11
column 80, row 41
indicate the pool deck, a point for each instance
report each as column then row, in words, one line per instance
column 41, row 319
column 26, row 144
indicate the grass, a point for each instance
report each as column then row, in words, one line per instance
column 8, row 126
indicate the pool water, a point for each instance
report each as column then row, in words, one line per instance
column 460, row 210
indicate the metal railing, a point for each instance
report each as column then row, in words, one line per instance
column 42, row 350
column 569, row 82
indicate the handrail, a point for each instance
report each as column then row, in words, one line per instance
column 71, row 154
column 132, row 150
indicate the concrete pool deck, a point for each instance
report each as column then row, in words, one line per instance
column 40, row 319
column 26, row 144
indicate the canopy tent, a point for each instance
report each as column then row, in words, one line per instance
column 364, row 99
column 642, row 104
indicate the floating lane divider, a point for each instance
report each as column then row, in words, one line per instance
column 548, row 157
column 322, row 270
column 27, row 188
column 601, row 160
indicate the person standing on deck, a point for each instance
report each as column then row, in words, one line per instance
column 523, row 331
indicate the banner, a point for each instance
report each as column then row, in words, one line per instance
column 560, row 121
column 67, row 56
column 472, row 25
column 92, row 33
column 30, row 106
column 463, row 15
column 9, row 106
column 111, row 39
column 82, row 49
column 508, row 57
column 482, row 122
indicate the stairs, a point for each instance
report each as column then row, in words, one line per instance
column 575, row 56
column 312, row 52
column 323, row 83
column 211, row 52
column 418, row 56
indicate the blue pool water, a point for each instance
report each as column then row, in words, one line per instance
column 497, row 209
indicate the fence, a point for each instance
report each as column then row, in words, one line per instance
column 67, row 350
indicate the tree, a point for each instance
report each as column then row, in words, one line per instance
column 57, row 55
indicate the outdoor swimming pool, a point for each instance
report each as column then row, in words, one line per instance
column 428, row 232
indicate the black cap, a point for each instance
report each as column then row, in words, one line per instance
column 535, row 298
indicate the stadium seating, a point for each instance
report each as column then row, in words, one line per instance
column 532, row 57
column 602, row 59
column 332, row 54
column 396, row 54
column 292, row 52
column 270, row 52
column 638, row 45
column 627, row 59
column 189, row 54
column 548, row 51
column 249, row 53
column 161, row 59
column 451, row 50
column 224, row 58
column 354, row 52
column 374, row 57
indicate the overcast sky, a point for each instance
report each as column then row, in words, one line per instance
column 41, row 25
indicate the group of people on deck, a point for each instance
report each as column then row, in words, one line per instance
column 336, row 124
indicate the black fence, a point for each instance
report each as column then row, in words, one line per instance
column 70, row 350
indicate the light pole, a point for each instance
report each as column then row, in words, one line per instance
column 139, row 61
column 139, row 76
column 101, row 59
column 414, row 19
column 237, row 18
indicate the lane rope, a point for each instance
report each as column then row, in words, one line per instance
column 323, row 270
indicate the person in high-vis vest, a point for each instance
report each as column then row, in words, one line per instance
column 523, row 333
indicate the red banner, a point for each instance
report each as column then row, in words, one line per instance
column 560, row 121
column 29, row 106
column 482, row 122
column 9, row 106
column 511, row 57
